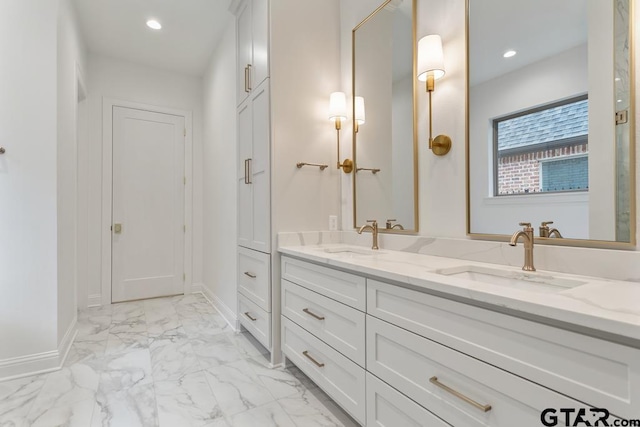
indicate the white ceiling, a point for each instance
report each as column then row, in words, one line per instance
column 190, row 31
column 535, row 29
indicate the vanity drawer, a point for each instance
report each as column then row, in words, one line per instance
column 387, row 407
column 422, row 369
column 254, row 277
column 340, row 326
column 338, row 376
column 344, row 287
column 255, row 320
column 595, row 371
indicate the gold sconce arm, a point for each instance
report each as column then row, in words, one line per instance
column 347, row 164
column 442, row 143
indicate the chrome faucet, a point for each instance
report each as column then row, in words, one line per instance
column 527, row 234
column 391, row 226
column 545, row 231
column 374, row 231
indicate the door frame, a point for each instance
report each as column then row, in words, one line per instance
column 107, row 188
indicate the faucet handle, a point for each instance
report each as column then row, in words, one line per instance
column 372, row 221
column 525, row 224
column 546, row 223
column 390, row 222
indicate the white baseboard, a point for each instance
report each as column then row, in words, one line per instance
column 39, row 363
column 67, row 340
column 94, row 300
column 227, row 314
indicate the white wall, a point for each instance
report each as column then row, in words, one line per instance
column 71, row 62
column 111, row 78
column 219, row 187
column 559, row 77
column 304, row 71
column 28, row 189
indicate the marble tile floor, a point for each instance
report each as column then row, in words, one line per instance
column 168, row 362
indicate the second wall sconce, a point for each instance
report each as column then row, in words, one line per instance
column 430, row 69
column 338, row 113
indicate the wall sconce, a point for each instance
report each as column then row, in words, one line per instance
column 431, row 68
column 338, row 113
column 360, row 116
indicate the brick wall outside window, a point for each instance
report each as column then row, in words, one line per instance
column 520, row 173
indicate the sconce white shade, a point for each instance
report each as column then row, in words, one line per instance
column 360, row 116
column 430, row 57
column 338, row 106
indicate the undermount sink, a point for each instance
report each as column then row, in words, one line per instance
column 349, row 251
column 514, row 279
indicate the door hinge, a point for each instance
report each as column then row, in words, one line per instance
column 185, row 180
column 185, row 132
column 622, row 117
column 184, row 228
column 184, row 277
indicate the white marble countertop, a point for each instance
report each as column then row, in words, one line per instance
column 601, row 305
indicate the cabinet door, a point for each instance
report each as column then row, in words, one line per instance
column 245, row 190
column 260, row 42
column 244, row 52
column 260, row 168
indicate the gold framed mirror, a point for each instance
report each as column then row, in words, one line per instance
column 550, row 121
column 385, row 148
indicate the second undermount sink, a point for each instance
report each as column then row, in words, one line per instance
column 349, row 251
column 538, row 282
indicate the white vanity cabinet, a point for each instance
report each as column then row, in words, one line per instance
column 431, row 360
column 323, row 330
column 596, row 371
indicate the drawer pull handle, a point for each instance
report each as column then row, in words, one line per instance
column 253, row 319
column 483, row 408
column 253, row 276
column 318, row 364
column 306, row 310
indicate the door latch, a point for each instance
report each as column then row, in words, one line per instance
column 117, row 228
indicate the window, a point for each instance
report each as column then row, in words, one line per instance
column 543, row 149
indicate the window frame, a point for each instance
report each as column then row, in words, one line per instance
column 582, row 139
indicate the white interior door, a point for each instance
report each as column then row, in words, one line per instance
column 148, row 204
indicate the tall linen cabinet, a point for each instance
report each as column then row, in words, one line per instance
column 288, row 61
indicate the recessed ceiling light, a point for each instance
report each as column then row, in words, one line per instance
column 509, row 53
column 619, row 100
column 617, row 79
column 153, row 24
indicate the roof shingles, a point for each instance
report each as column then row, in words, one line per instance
column 553, row 124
